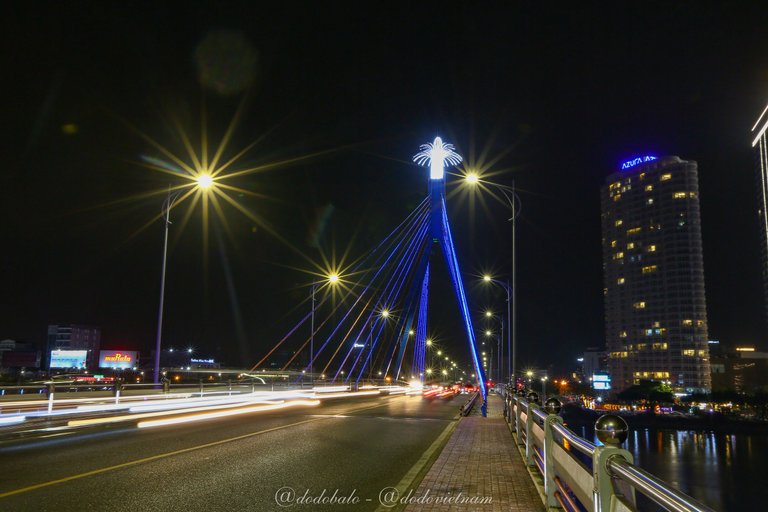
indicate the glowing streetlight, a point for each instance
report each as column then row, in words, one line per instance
column 472, row 178
column 333, row 278
column 411, row 333
column 429, row 371
column 204, row 181
column 445, row 372
column 439, row 352
column 385, row 313
column 429, row 343
column 488, row 333
column 488, row 314
column 487, row 278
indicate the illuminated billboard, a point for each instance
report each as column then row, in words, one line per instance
column 68, row 358
column 601, row 381
column 117, row 358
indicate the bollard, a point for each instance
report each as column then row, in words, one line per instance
column 612, row 431
column 201, row 388
column 117, row 386
column 166, row 386
column 51, row 392
column 552, row 407
column 229, row 383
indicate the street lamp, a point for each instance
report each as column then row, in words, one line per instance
column 383, row 314
column 513, row 200
column 332, row 279
column 511, row 336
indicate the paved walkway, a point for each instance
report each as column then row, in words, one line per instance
column 481, row 465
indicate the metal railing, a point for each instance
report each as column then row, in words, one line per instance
column 579, row 475
column 466, row 409
column 54, row 394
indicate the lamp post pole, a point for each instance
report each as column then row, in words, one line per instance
column 513, row 340
column 515, row 205
column 167, row 205
column 312, row 339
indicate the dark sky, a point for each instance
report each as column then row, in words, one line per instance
column 562, row 95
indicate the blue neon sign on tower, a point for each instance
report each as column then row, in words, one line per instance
column 637, row 161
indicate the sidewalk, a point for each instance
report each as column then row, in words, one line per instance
column 480, row 461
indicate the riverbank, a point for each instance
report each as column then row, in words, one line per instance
column 576, row 416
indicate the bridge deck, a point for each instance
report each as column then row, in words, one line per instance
column 479, row 461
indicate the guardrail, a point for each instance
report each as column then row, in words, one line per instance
column 465, row 409
column 579, row 475
column 54, row 394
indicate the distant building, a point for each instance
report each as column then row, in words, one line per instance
column 742, row 370
column 655, row 309
column 759, row 142
column 15, row 355
column 75, row 337
column 594, row 361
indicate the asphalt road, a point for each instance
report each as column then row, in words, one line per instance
column 353, row 447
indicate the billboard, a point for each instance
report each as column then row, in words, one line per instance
column 118, row 358
column 68, row 358
column 601, row 381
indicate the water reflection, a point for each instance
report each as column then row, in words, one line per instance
column 722, row 470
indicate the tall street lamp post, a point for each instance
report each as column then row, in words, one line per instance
column 513, row 201
column 510, row 339
column 203, row 182
column 332, row 279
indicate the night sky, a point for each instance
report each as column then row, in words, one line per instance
column 558, row 97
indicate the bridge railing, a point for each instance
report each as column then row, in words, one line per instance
column 579, row 475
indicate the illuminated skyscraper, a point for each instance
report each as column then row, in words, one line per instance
column 655, row 309
column 761, row 152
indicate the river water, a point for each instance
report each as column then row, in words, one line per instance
column 725, row 471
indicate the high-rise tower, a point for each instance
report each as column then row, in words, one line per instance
column 655, row 309
column 760, row 144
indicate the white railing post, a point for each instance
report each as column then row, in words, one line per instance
column 51, row 392
column 529, row 445
column 552, row 408
column 612, row 431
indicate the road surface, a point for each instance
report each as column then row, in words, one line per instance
column 354, row 448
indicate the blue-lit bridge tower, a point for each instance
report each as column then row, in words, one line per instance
column 438, row 155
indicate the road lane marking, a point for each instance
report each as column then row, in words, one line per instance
column 422, row 466
column 170, row 454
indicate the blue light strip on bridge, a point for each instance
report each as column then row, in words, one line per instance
column 453, row 264
column 407, row 253
column 421, row 330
